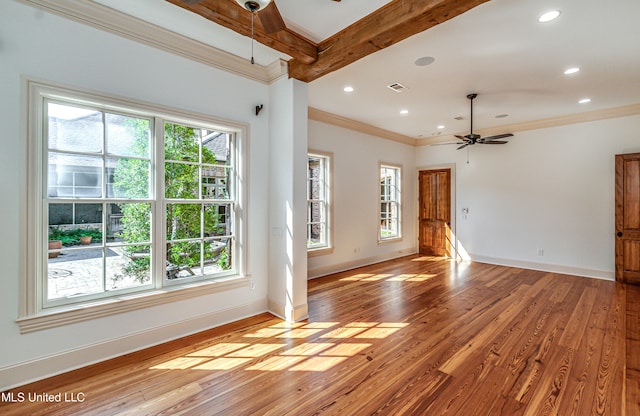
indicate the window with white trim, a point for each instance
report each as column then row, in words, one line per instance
column 318, row 201
column 128, row 198
column 390, row 198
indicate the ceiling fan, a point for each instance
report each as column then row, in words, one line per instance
column 472, row 138
column 267, row 11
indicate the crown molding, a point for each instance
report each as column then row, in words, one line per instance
column 347, row 123
column 615, row 112
column 113, row 21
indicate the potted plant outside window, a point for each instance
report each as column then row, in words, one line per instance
column 54, row 245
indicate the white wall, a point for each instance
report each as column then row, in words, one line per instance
column 47, row 47
column 355, row 197
column 549, row 189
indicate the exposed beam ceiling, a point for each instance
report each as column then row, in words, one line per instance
column 388, row 25
column 229, row 14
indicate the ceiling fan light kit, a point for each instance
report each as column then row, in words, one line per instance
column 253, row 5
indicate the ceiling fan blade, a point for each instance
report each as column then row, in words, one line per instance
column 463, row 146
column 463, row 138
column 444, row 144
column 496, row 142
column 498, row 136
column 271, row 19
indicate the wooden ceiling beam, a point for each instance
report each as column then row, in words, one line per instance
column 395, row 21
column 229, row 14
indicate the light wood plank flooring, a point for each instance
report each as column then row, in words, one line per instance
column 412, row 336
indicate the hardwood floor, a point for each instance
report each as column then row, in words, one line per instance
column 412, row 336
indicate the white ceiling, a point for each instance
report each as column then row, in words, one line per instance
column 497, row 50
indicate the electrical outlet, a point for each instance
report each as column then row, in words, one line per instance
column 252, row 284
column 540, row 252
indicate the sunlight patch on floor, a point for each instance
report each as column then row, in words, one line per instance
column 277, row 354
column 277, row 363
column 421, row 277
column 377, row 277
column 300, row 333
column 356, row 277
column 308, row 349
column 318, row 364
column 256, row 350
column 223, row 364
column 409, row 277
column 218, row 350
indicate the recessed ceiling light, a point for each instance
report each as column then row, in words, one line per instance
column 573, row 70
column 441, row 126
column 403, row 112
column 549, row 16
column 425, row 60
column 348, row 88
column 585, row 101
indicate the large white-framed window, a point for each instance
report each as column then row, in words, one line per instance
column 125, row 198
column 318, row 203
column 390, row 202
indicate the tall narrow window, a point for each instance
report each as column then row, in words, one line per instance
column 318, row 192
column 128, row 200
column 390, row 202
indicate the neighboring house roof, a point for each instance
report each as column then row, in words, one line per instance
column 217, row 142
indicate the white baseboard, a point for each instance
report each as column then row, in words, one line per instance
column 27, row 372
column 341, row 267
column 291, row 315
column 545, row 267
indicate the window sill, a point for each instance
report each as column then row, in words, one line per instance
column 319, row 251
column 59, row 316
column 390, row 240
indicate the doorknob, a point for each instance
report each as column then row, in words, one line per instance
column 619, row 234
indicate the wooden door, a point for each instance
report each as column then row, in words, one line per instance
column 435, row 212
column 628, row 218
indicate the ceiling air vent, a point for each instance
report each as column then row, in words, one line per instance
column 397, row 87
